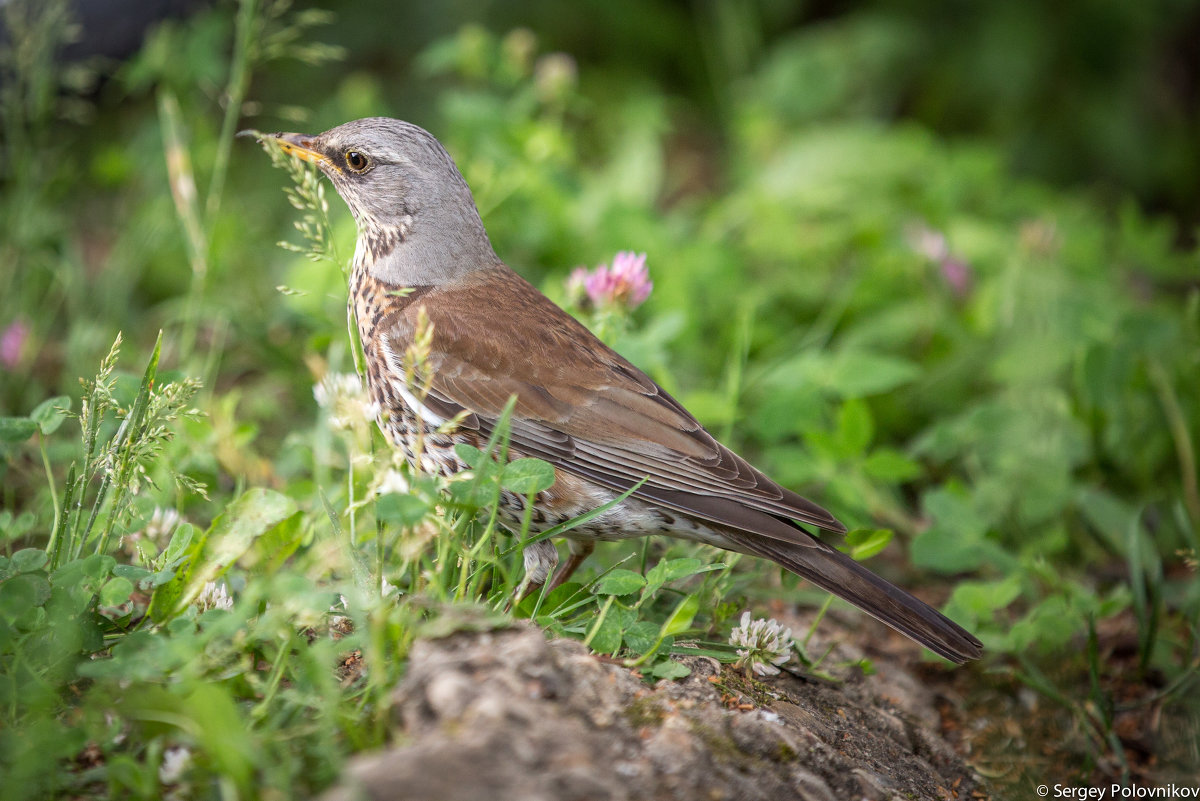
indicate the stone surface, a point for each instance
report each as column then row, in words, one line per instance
column 508, row 715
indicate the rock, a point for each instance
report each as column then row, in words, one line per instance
column 508, row 715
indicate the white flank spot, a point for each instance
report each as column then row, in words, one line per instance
column 421, row 409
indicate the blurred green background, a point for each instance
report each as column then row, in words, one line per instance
column 933, row 263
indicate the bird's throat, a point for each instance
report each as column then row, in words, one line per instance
column 404, row 257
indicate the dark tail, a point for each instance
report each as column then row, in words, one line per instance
column 832, row 570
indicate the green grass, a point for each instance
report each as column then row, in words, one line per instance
column 990, row 380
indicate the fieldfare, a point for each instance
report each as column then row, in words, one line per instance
column 601, row 422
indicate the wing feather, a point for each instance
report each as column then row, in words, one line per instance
column 585, row 409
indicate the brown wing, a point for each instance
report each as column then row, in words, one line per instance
column 585, row 409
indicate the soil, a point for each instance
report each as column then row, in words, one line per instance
column 506, row 714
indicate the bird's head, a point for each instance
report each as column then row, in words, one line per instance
column 417, row 221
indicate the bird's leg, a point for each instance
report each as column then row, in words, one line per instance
column 579, row 550
column 540, row 559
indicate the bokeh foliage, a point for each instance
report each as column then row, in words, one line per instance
column 902, row 325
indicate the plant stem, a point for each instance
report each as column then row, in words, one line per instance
column 96, row 505
column 53, row 492
column 350, row 499
column 183, row 191
column 599, row 621
column 1177, row 422
column 817, row 620
column 235, row 94
column 261, row 707
column 63, row 524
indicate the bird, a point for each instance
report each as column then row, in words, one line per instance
column 424, row 266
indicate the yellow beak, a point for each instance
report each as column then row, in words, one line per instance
column 300, row 146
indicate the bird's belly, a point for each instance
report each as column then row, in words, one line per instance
column 572, row 496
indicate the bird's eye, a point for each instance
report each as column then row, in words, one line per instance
column 356, row 161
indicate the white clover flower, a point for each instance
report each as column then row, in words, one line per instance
column 213, row 596
column 175, row 762
column 345, row 399
column 157, row 532
column 161, row 525
column 761, row 645
column 158, row 528
column 333, row 386
column 393, row 482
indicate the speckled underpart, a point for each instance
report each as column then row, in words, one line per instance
column 376, row 307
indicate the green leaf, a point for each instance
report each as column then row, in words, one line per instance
column 528, row 475
column 21, row 593
column 562, row 595
column 116, row 591
column 855, row 427
column 607, row 638
column 981, row 600
column 859, row 373
column 134, row 573
column 401, row 510
column 669, row 669
column 641, row 636
column 13, row 528
column 1047, row 627
column 1108, row 514
column 471, row 455
column 483, row 490
column 720, row 652
column 177, row 548
column 50, row 413
column 478, row 493
column 27, row 560
column 620, row 582
column 129, row 777
column 89, row 571
column 161, row 577
column 250, row 516
column 142, row 402
column 681, row 619
column 223, row 733
column 672, row 569
column 231, row 535
column 98, row 566
column 957, row 540
column 276, row 545
column 890, row 465
column 668, row 570
column 17, row 429
column 866, row 542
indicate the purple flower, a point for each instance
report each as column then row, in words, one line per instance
column 627, row 283
column 577, row 285
column 932, row 245
column 957, row 275
column 12, row 342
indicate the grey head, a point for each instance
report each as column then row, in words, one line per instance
column 417, row 221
